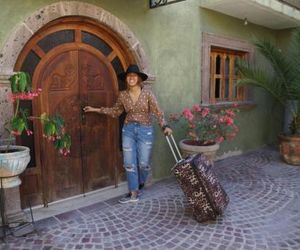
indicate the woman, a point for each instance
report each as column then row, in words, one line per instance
column 137, row 133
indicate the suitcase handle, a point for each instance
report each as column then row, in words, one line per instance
column 174, row 148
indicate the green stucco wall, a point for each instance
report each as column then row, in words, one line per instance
column 171, row 38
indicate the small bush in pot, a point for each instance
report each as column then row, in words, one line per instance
column 205, row 125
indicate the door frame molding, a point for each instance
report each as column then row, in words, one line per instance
column 12, row 47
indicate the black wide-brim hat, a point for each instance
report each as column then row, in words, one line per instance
column 133, row 68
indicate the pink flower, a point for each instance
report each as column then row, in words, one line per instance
column 208, row 125
column 29, row 132
column 64, row 151
column 29, row 95
column 228, row 120
column 196, row 108
column 220, row 139
column 205, row 112
column 222, row 119
column 187, row 114
column 230, row 112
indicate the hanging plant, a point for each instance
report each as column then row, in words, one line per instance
column 53, row 126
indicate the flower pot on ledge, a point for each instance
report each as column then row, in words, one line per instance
column 13, row 161
column 290, row 148
column 188, row 147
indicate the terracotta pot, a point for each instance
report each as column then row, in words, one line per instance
column 13, row 163
column 290, row 148
column 188, row 149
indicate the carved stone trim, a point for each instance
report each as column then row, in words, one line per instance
column 24, row 31
column 6, row 107
column 4, row 79
column 209, row 40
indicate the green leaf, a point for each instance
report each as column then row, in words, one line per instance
column 22, row 81
column 28, row 79
column 14, row 83
column 58, row 121
column 18, row 124
column 259, row 76
column 49, row 128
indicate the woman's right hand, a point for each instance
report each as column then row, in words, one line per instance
column 90, row 109
column 168, row 131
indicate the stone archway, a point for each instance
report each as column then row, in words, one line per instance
column 24, row 30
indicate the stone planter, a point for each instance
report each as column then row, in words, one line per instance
column 13, row 163
column 290, row 148
column 187, row 149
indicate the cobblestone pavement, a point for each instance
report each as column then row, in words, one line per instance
column 263, row 213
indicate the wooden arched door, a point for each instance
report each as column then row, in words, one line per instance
column 75, row 61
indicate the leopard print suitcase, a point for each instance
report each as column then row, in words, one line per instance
column 201, row 187
column 199, row 183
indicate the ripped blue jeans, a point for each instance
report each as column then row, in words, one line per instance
column 137, row 141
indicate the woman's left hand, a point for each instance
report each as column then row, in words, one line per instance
column 168, row 131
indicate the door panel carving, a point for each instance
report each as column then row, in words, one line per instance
column 64, row 81
column 89, row 76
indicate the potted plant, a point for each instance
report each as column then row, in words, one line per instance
column 281, row 78
column 206, row 127
column 14, row 158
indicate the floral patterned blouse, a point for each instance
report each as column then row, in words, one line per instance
column 140, row 112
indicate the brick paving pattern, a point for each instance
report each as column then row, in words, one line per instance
column 263, row 213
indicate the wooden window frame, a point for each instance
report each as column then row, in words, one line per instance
column 223, row 55
column 210, row 41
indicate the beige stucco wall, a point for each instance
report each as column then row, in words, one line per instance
column 171, row 39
